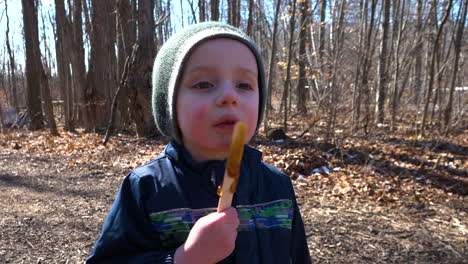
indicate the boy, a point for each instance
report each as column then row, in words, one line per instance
column 205, row 79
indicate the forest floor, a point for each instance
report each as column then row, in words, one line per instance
column 384, row 198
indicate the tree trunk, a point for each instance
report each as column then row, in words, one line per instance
column 418, row 54
column 301, row 86
column 314, row 84
column 399, row 28
column 112, row 68
column 63, row 61
column 2, row 122
column 123, row 82
column 126, row 38
column 159, row 9
column 238, row 13
column 140, row 75
column 366, row 68
column 45, row 86
column 6, row 69
column 33, row 61
column 432, row 68
column 201, row 10
column 321, row 49
column 250, row 19
column 78, row 93
column 86, row 16
column 214, row 10
column 271, row 70
column 48, row 108
column 47, row 57
column 382, row 89
column 234, row 12
column 336, row 44
column 357, row 89
column 287, row 83
column 98, row 79
column 167, row 26
column 458, row 43
column 11, row 55
column 194, row 15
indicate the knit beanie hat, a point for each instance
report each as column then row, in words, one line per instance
column 169, row 66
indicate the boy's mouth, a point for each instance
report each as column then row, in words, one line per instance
column 226, row 123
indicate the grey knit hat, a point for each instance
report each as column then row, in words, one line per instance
column 169, row 66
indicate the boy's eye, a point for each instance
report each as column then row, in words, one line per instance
column 202, row 85
column 245, row 86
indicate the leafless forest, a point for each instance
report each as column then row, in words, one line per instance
column 367, row 111
column 370, row 63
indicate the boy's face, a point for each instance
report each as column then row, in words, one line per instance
column 219, row 87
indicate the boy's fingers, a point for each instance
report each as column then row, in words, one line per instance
column 230, row 211
column 229, row 216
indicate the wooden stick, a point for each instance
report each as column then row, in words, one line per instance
column 231, row 175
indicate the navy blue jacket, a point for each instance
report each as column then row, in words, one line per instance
column 158, row 204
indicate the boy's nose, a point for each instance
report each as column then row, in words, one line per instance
column 228, row 94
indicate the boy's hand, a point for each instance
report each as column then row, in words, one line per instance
column 211, row 239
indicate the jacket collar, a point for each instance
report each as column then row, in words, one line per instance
column 209, row 174
column 180, row 154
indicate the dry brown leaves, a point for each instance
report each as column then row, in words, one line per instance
column 375, row 199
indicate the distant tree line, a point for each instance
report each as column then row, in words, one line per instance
column 376, row 62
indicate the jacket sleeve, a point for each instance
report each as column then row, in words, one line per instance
column 127, row 235
column 299, row 251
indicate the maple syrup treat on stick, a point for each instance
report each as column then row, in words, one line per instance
column 231, row 175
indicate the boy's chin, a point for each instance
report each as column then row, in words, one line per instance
column 222, row 147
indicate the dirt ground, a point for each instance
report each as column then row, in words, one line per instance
column 364, row 200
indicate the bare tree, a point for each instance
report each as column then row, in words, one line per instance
column 111, row 39
column 192, row 9
column 272, row 64
column 140, row 74
column 398, row 25
column 78, row 65
column 202, row 10
column 301, row 86
column 382, row 89
column 321, row 49
column 99, row 77
column 431, row 75
column 363, row 89
column 47, row 61
column 234, row 12
column 86, row 14
column 48, row 108
column 126, row 38
column 11, row 56
column 357, row 92
column 2, row 122
column 287, row 83
column 251, row 18
column 214, row 4
column 62, row 46
column 457, row 43
column 336, row 44
column 45, row 68
column 123, row 79
column 33, row 62
column 375, row 55
column 418, row 50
